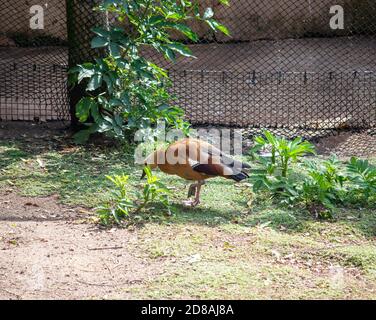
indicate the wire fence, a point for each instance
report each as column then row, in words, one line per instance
column 33, row 63
column 290, row 65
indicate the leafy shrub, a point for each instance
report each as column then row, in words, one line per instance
column 363, row 175
column 274, row 168
column 322, row 189
column 319, row 186
column 125, row 90
column 126, row 205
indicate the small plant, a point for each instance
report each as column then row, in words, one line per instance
column 282, row 151
column 124, row 204
column 363, row 175
column 321, row 190
column 119, row 206
column 333, row 171
column 153, row 191
column 318, row 193
column 275, row 166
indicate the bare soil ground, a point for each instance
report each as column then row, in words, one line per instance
column 48, row 252
column 10, row 130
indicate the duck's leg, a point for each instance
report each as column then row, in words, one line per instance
column 196, row 202
column 197, row 188
column 192, row 190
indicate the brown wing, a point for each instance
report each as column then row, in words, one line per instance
column 218, row 164
column 194, row 159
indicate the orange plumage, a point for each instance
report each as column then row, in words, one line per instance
column 196, row 160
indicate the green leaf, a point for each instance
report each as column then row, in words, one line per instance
column 115, row 50
column 168, row 53
column 101, row 32
column 157, row 20
column 214, row 25
column 99, row 42
column 95, row 82
column 83, row 136
column 85, row 71
column 224, row 2
column 125, row 98
column 115, row 102
column 187, row 31
column 174, row 16
column 180, row 48
column 83, row 108
column 223, row 29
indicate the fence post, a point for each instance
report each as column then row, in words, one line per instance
column 80, row 20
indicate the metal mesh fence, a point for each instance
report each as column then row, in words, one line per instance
column 33, row 62
column 283, row 66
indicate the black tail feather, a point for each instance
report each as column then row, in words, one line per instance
column 240, row 176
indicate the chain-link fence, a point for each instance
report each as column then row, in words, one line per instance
column 284, row 66
column 33, row 62
column 293, row 64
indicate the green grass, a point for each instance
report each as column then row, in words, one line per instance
column 225, row 248
column 253, row 263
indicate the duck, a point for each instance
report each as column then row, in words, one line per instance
column 196, row 160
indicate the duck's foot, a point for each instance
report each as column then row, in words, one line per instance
column 191, row 203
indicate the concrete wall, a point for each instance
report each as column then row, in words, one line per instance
column 275, row 19
column 250, row 20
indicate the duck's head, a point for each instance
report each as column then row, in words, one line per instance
column 153, row 160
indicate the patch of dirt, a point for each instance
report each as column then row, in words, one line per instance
column 16, row 208
column 32, row 130
column 42, row 136
column 346, row 144
column 47, row 252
